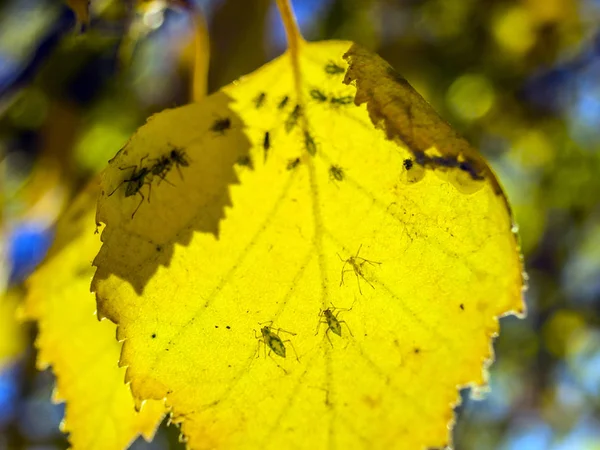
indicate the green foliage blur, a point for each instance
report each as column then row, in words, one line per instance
column 519, row 78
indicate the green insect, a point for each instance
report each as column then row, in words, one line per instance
column 220, row 126
column 135, row 182
column 293, row 163
column 245, row 161
column 270, row 338
column 260, row 100
column 161, row 168
column 333, row 69
column 179, row 157
column 309, row 144
column 330, row 317
column 318, row 95
column 292, row 119
column 336, row 173
column 283, row 102
column 345, row 100
column 266, row 144
column 357, row 263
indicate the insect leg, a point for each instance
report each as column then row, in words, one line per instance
column 319, row 326
column 293, row 348
column 118, row 186
column 358, row 281
column 140, row 204
column 344, row 322
column 343, row 272
column 327, row 336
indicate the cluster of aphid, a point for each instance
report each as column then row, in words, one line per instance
column 270, row 336
column 160, row 167
column 144, row 175
column 293, row 117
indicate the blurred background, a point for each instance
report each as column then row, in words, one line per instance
column 519, row 78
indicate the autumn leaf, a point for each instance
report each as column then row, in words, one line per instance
column 310, row 257
column 12, row 333
column 83, row 352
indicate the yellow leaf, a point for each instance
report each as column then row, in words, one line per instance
column 100, row 411
column 307, row 280
column 12, row 333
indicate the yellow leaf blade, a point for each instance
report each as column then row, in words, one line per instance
column 83, row 352
column 329, row 216
column 12, row 333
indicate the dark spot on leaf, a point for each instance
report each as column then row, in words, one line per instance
column 462, row 306
column 444, row 161
column 417, row 350
column 408, row 164
column 228, row 327
column 292, row 163
column 396, row 76
column 153, row 335
column 216, row 326
column 468, row 167
column 159, row 248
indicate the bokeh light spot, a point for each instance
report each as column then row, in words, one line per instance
column 513, row 30
column 471, row 96
column 560, row 329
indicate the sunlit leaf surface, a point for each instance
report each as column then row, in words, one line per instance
column 316, row 274
column 83, row 353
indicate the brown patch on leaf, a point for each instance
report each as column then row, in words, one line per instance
column 405, row 117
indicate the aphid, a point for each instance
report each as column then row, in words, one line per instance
column 161, row 167
column 292, row 163
column 408, row 164
column 292, row 119
column 135, row 182
column 345, row 100
column 221, row 125
column 283, row 102
column 336, row 173
column 333, row 69
column 357, row 263
column 330, row 317
column 309, row 143
column 180, row 158
column 267, row 144
column 318, row 95
column 260, row 99
column 270, row 338
column 245, row 161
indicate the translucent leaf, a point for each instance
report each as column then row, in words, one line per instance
column 319, row 274
column 83, row 352
column 12, row 333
